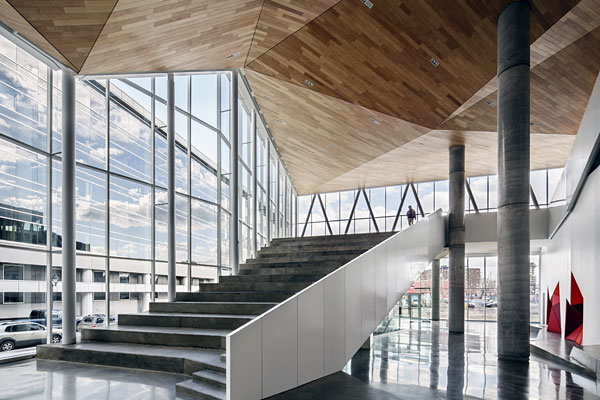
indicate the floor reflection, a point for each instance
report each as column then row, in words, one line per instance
column 422, row 354
column 42, row 379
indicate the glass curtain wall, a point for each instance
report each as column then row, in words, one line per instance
column 121, row 182
column 389, row 204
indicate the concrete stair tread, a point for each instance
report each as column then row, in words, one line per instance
column 190, row 315
column 165, row 330
column 205, row 356
column 213, row 378
column 200, row 390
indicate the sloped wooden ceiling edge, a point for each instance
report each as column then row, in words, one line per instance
column 15, row 21
column 282, row 18
column 71, row 26
column 174, row 35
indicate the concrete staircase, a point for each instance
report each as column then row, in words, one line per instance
column 188, row 335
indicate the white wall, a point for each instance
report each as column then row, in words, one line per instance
column 575, row 248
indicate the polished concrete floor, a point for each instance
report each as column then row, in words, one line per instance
column 418, row 360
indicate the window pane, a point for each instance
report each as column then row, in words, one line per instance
column 90, row 123
column 204, row 143
column 441, row 195
column 181, row 92
column 204, row 98
column 130, row 226
column 130, row 138
column 23, row 96
column 204, row 181
column 90, row 213
column 22, row 195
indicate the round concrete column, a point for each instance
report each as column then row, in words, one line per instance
column 456, row 239
column 513, row 182
column 435, row 290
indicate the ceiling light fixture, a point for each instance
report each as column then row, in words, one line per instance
column 281, row 122
column 330, row 145
column 491, row 103
column 309, row 83
column 233, row 55
column 373, row 120
column 434, row 62
column 367, row 3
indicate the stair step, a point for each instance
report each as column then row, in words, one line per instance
column 212, row 378
column 179, row 360
column 303, row 258
column 198, row 390
column 160, row 336
column 293, row 264
column 288, row 270
column 357, row 237
column 339, row 249
column 229, row 308
column 254, row 287
column 242, row 296
column 185, row 320
column 271, row 278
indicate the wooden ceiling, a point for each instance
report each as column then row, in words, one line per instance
column 376, row 111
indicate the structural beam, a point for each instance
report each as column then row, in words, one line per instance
column 68, row 206
column 513, row 181
column 352, row 212
column 456, row 239
column 414, row 190
column 234, row 239
column 325, row 214
column 254, row 186
column 471, row 197
column 312, row 202
column 171, row 249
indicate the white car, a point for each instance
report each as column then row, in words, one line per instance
column 25, row 334
column 95, row 320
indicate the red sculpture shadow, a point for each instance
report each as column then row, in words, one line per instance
column 574, row 314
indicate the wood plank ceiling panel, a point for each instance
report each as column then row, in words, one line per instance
column 383, row 62
column 71, row 26
column 15, row 21
column 581, row 20
column 174, row 35
column 426, row 159
column 560, row 89
column 321, row 137
column 281, row 18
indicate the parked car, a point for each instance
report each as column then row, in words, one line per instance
column 24, row 334
column 470, row 304
column 39, row 317
column 491, row 303
column 95, row 320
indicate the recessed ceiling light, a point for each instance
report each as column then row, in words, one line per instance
column 373, row 120
column 281, row 122
column 491, row 103
column 309, row 83
column 233, row 55
column 330, row 145
column 367, row 3
column 434, row 62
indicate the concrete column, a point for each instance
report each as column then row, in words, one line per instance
column 456, row 240
column 172, row 263
column 234, row 183
column 435, row 290
column 513, row 182
column 68, row 206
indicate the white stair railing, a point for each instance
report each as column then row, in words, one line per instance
column 317, row 331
